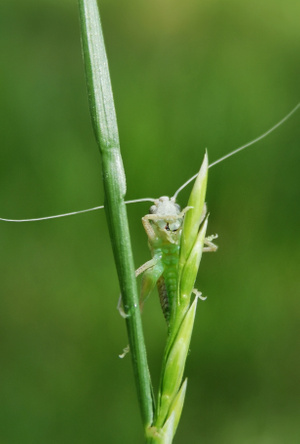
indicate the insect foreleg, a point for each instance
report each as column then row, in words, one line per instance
column 148, row 227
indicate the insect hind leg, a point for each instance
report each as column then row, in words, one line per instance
column 143, row 268
column 209, row 245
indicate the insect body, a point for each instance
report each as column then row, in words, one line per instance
column 163, row 227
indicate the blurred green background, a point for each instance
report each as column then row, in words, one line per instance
column 186, row 76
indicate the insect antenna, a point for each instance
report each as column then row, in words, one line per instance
column 232, row 153
column 146, row 199
column 56, row 216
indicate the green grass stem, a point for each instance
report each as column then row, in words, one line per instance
column 106, row 132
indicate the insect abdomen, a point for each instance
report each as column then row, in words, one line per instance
column 167, row 288
column 163, row 297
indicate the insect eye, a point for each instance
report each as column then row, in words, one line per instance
column 153, row 209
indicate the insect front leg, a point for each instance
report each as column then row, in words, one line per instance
column 148, row 227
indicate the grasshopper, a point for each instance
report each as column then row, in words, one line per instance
column 163, row 226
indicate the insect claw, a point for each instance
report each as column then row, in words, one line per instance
column 126, row 350
column 185, row 210
column 210, row 246
column 198, row 294
column 212, row 237
column 121, row 309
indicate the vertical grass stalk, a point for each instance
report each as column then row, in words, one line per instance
column 106, row 132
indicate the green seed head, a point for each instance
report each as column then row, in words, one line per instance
column 194, row 216
column 175, row 363
column 175, row 410
column 191, row 266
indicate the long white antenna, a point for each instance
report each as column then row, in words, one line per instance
column 257, row 138
column 52, row 217
column 74, row 212
column 149, row 199
column 232, row 153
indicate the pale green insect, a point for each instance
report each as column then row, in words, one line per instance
column 164, row 227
